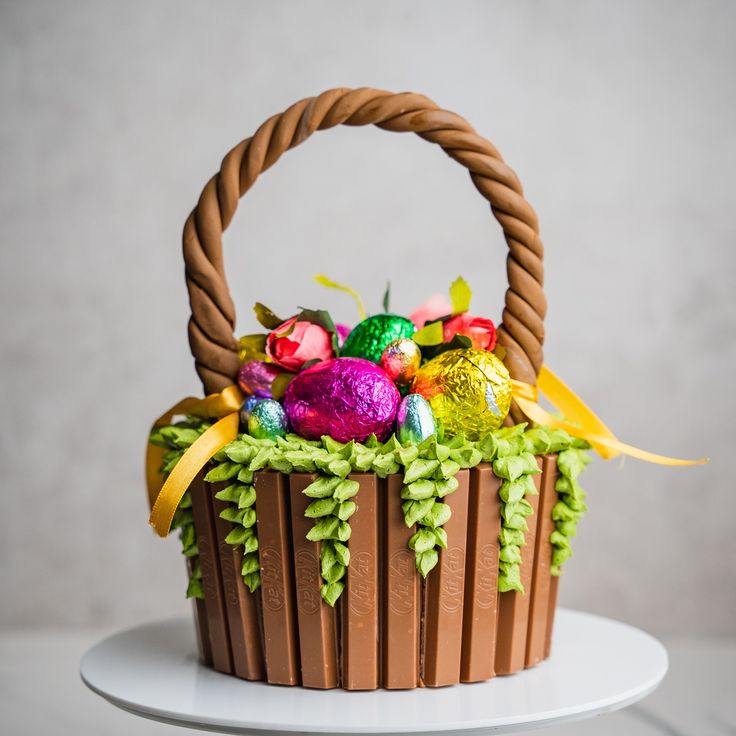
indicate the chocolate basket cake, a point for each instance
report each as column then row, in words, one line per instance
column 385, row 506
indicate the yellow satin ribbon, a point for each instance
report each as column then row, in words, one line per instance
column 580, row 420
column 164, row 498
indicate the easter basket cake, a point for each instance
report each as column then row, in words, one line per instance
column 386, row 506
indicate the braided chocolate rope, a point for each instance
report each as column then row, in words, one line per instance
column 211, row 326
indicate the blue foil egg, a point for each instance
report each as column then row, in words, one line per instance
column 247, row 407
column 415, row 421
column 267, row 420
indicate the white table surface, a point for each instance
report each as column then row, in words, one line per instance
column 598, row 665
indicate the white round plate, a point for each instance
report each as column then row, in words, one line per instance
column 597, row 665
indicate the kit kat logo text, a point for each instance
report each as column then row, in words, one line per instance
column 453, row 574
column 362, row 583
column 308, row 581
column 272, row 580
column 402, row 582
column 486, row 576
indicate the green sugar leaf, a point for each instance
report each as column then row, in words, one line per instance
column 415, row 510
column 330, row 592
column 346, row 510
column 509, row 468
column 438, row 515
column 422, row 541
column 231, row 493
column 340, row 468
column 261, row 459
column 466, row 457
column 343, row 531
column 249, row 518
column 186, row 501
column 250, row 544
column 247, row 497
column 301, row 461
column 510, row 579
column 362, row 460
column 440, row 536
column 345, row 489
column 188, row 536
column 562, row 512
column 250, row 564
column 406, row 455
column 323, row 529
column 195, row 589
column 323, row 487
column 510, row 553
column 512, row 491
column 239, row 452
column 511, row 536
column 224, row 471
column 332, row 446
column 446, row 487
column 426, row 561
column 385, row 465
column 246, row 476
column 320, row 507
column 418, row 490
column 237, row 536
column 280, row 464
column 191, row 551
column 232, row 514
column 559, row 540
column 342, row 553
column 334, row 573
column 517, row 521
column 560, row 555
column 327, row 556
column 420, row 468
column 448, row 469
column 568, row 528
column 252, row 581
column 390, row 446
column 460, row 295
column 571, row 463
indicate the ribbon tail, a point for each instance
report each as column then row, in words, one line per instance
column 191, row 462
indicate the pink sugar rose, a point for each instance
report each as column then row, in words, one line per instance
column 292, row 344
column 481, row 331
column 435, row 307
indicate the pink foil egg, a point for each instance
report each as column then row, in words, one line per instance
column 256, row 377
column 345, row 398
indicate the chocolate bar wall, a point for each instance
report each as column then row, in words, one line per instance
column 480, row 609
column 240, row 604
column 443, row 596
column 214, row 603
column 400, row 634
column 513, row 607
column 359, row 601
column 540, row 593
column 317, row 621
column 280, row 642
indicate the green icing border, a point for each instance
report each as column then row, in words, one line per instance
column 429, row 471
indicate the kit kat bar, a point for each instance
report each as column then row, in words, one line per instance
column 317, row 620
column 443, row 591
column 513, row 607
column 281, row 645
column 400, row 636
column 539, row 595
column 240, row 603
column 360, row 605
column 214, row 598
column 204, row 649
column 553, row 591
column 480, row 609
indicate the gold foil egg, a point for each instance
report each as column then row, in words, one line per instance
column 469, row 391
column 401, row 359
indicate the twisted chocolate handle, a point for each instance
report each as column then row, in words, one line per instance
column 211, row 326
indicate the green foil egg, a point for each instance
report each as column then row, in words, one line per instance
column 369, row 337
column 267, row 420
column 414, row 420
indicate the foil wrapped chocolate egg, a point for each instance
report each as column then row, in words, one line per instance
column 256, row 377
column 401, row 360
column 469, row 391
column 414, row 420
column 267, row 420
column 369, row 337
column 345, row 398
column 247, row 407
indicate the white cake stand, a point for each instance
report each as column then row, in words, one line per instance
column 598, row 665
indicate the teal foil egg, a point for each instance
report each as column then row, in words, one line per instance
column 414, row 420
column 369, row 337
column 267, row 420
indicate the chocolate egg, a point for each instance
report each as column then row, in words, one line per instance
column 247, row 407
column 414, row 420
column 345, row 398
column 369, row 337
column 469, row 391
column 256, row 377
column 401, row 360
column 267, row 420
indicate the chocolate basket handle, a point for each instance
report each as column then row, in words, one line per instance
column 211, row 326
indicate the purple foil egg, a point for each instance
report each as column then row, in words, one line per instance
column 256, row 377
column 345, row 398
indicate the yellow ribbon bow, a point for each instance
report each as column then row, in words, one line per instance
column 580, row 420
column 165, row 497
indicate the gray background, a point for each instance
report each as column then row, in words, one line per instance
column 618, row 117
